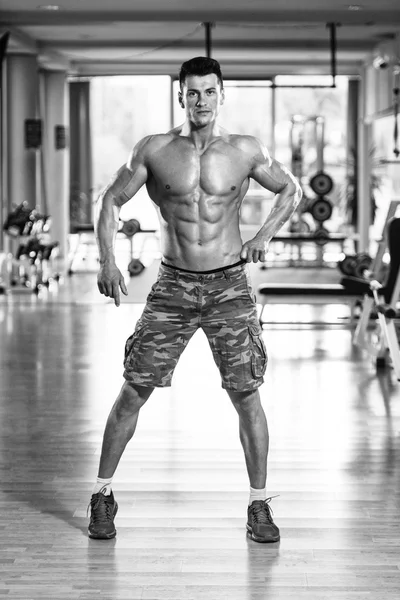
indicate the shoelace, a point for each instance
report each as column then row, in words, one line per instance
column 101, row 510
column 262, row 514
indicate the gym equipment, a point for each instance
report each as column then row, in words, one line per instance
column 19, row 221
column 310, row 293
column 135, row 267
column 5, row 272
column 355, row 265
column 32, row 263
column 300, row 226
column 361, row 265
column 321, row 183
column 321, row 236
column 130, row 228
column 382, row 344
column 321, row 209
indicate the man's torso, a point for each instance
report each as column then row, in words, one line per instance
column 198, row 194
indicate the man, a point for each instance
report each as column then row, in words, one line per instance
column 197, row 176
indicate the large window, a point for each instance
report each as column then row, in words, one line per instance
column 299, row 107
column 124, row 110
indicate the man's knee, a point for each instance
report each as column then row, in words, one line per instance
column 245, row 402
column 131, row 399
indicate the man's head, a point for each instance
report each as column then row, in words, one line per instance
column 201, row 90
column 201, row 65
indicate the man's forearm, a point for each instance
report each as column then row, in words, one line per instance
column 284, row 206
column 106, row 226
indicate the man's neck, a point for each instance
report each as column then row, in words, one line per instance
column 201, row 136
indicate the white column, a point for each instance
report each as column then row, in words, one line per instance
column 363, row 171
column 56, row 159
column 22, row 104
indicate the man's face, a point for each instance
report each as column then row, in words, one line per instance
column 201, row 97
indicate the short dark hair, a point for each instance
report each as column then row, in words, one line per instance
column 200, row 65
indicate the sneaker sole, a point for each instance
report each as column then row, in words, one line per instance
column 257, row 538
column 105, row 536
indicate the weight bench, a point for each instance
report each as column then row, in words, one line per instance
column 312, row 293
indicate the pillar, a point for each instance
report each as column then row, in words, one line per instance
column 22, row 104
column 56, row 154
column 80, row 154
column 363, row 170
column 352, row 152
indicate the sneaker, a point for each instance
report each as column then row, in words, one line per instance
column 103, row 511
column 259, row 522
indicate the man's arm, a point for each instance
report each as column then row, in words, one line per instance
column 122, row 187
column 274, row 177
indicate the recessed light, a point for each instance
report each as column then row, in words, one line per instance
column 355, row 7
column 48, row 7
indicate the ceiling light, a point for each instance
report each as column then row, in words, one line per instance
column 355, row 7
column 48, row 7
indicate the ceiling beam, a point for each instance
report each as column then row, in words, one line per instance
column 344, row 17
column 345, row 45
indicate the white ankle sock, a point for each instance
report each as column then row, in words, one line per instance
column 103, row 485
column 257, row 494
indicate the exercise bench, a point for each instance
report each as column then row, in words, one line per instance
column 311, row 293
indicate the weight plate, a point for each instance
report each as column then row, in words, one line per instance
column 135, row 267
column 129, row 228
column 321, row 210
column 321, row 236
column 321, row 183
column 300, row 226
column 347, row 265
column 364, row 262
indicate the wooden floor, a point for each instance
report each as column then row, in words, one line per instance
column 182, row 485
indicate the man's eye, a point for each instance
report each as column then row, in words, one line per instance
column 210, row 92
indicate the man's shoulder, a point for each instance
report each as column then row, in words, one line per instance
column 247, row 143
column 155, row 141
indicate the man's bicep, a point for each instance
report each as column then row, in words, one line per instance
column 272, row 175
column 126, row 182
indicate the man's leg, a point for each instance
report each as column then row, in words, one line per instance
column 253, row 430
column 120, row 427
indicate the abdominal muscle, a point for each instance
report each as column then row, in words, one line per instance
column 202, row 235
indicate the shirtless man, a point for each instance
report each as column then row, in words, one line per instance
column 197, row 176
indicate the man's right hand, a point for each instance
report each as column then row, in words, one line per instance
column 110, row 280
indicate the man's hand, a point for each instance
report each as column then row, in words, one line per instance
column 254, row 250
column 109, row 280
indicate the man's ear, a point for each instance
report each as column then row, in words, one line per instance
column 222, row 96
column 180, row 98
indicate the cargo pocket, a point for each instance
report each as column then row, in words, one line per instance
column 132, row 346
column 259, row 356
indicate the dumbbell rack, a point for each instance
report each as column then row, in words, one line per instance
column 32, row 270
column 29, row 265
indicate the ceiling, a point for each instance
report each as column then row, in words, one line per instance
column 251, row 38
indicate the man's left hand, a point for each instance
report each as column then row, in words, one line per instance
column 254, row 250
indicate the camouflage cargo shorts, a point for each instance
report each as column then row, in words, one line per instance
column 222, row 303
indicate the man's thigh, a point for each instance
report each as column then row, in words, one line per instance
column 153, row 350
column 239, row 352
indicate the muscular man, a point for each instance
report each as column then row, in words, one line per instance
column 197, row 176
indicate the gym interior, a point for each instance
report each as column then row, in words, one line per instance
column 318, row 84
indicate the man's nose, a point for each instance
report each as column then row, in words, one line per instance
column 201, row 100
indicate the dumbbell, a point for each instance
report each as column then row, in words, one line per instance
column 321, row 210
column 131, row 227
column 321, row 183
column 135, row 267
column 321, row 236
column 355, row 265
